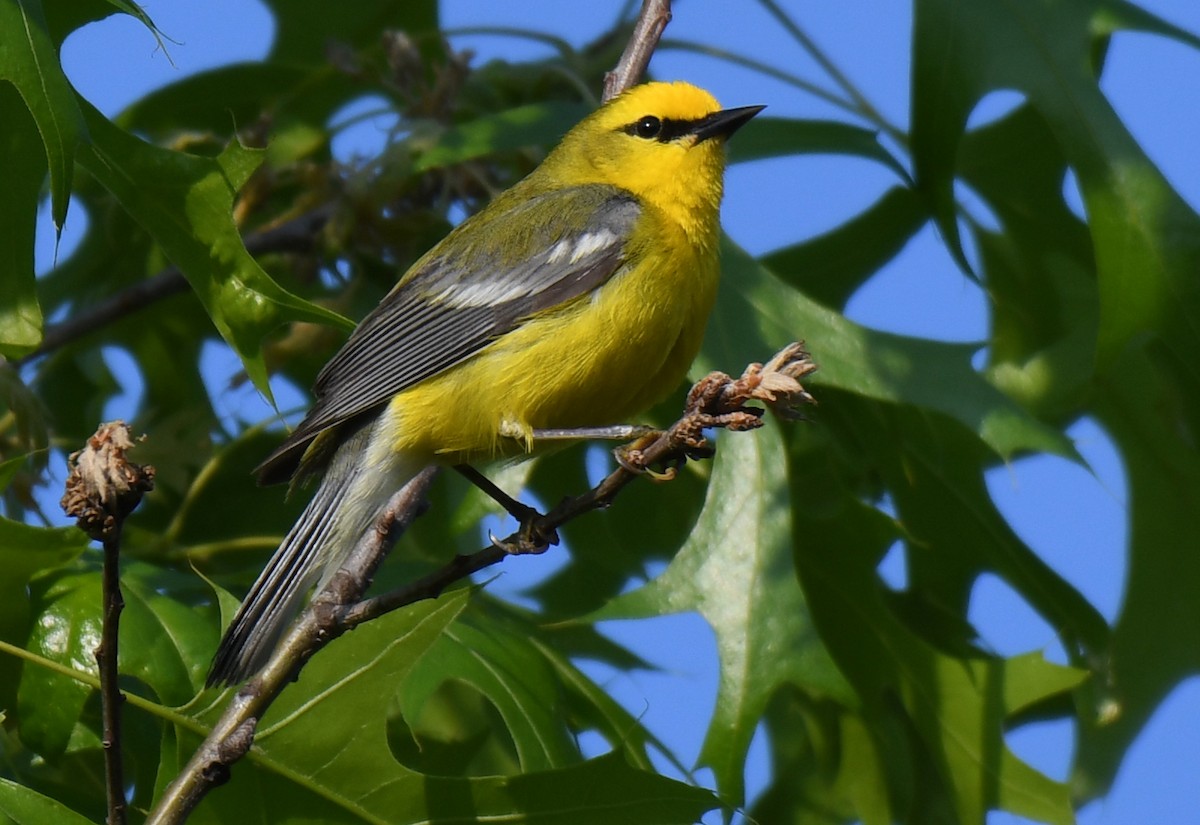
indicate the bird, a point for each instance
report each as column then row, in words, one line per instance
column 573, row 301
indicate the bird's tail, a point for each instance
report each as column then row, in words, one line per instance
column 356, row 485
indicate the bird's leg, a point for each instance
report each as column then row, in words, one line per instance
column 626, row 455
column 533, row 537
column 616, row 432
column 630, row 457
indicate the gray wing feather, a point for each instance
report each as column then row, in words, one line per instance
column 452, row 307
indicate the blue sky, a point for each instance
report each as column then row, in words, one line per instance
column 1074, row 518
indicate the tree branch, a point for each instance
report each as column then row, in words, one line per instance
column 647, row 31
column 233, row 734
column 103, row 487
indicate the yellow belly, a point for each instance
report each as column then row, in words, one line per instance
column 600, row 359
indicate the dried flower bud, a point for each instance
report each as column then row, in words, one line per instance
column 103, row 487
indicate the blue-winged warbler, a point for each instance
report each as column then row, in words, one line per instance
column 576, row 299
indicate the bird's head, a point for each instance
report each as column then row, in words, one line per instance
column 664, row 142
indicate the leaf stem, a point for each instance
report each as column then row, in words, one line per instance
column 862, row 106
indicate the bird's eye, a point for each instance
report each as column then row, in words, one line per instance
column 648, row 127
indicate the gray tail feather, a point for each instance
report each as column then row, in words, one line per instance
column 348, row 499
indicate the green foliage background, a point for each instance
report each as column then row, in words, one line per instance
column 880, row 705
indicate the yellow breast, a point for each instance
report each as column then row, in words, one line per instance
column 599, row 359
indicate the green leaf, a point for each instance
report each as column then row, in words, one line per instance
column 534, row 125
column 1117, row 15
column 958, row 707
column 305, row 28
column 29, row 428
column 166, row 641
column 217, row 101
column 830, row 267
column 1094, row 318
column 30, row 62
column 138, row 13
column 162, row 643
column 322, row 751
column 224, row 484
column 769, row 137
column 756, row 315
column 1040, row 269
column 490, row 655
column 21, row 806
column 825, row 766
column 25, row 552
column 185, row 203
column 934, row 472
column 1145, row 238
column 23, row 168
column 736, row 572
column 591, row 708
column 1151, row 411
column 66, row 630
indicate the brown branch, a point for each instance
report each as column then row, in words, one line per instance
column 111, row 698
column 103, row 487
column 652, row 20
column 295, row 235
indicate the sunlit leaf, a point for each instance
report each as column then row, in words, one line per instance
column 768, row 137
column 958, row 706
column 736, row 572
column 29, row 61
column 23, row 168
column 66, row 630
column 21, row 806
column 185, row 202
column 757, row 314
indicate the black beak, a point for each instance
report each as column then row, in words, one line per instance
column 724, row 123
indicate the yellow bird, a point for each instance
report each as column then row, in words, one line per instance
column 576, row 299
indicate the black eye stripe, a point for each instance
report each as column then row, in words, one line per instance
column 668, row 128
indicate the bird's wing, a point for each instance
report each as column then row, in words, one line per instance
column 461, row 296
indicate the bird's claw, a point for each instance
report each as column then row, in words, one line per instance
column 631, row 458
column 531, row 538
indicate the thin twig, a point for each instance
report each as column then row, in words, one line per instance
column 864, row 106
column 652, row 19
column 103, row 488
column 111, row 698
column 295, row 235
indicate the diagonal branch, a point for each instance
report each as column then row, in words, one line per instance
column 647, row 31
